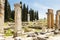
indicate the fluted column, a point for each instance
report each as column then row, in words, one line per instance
column 18, row 22
column 2, row 4
column 50, row 18
column 58, row 19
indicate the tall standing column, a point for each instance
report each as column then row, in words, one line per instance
column 2, row 2
column 50, row 18
column 58, row 19
column 28, row 17
column 18, row 22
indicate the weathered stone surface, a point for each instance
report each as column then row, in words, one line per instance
column 58, row 19
column 44, row 29
column 18, row 22
column 2, row 19
column 50, row 18
column 56, row 37
column 36, row 33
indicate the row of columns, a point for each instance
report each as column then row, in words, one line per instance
column 58, row 19
column 18, row 22
column 50, row 19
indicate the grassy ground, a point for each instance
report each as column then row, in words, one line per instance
column 8, row 32
column 27, row 29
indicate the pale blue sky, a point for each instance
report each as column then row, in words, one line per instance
column 40, row 5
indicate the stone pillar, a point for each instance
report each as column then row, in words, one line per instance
column 2, row 4
column 18, row 22
column 50, row 18
column 28, row 17
column 58, row 19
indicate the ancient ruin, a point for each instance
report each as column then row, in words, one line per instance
column 50, row 18
column 58, row 19
column 2, row 16
column 28, row 30
column 28, row 17
column 18, row 25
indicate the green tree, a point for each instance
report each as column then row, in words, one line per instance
column 12, row 14
column 31, row 12
column 24, row 12
column 7, row 11
column 37, row 15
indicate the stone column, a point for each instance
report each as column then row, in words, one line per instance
column 18, row 22
column 2, row 4
column 28, row 17
column 50, row 18
column 58, row 19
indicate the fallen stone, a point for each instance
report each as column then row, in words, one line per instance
column 41, row 38
column 31, row 35
column 35, row 38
